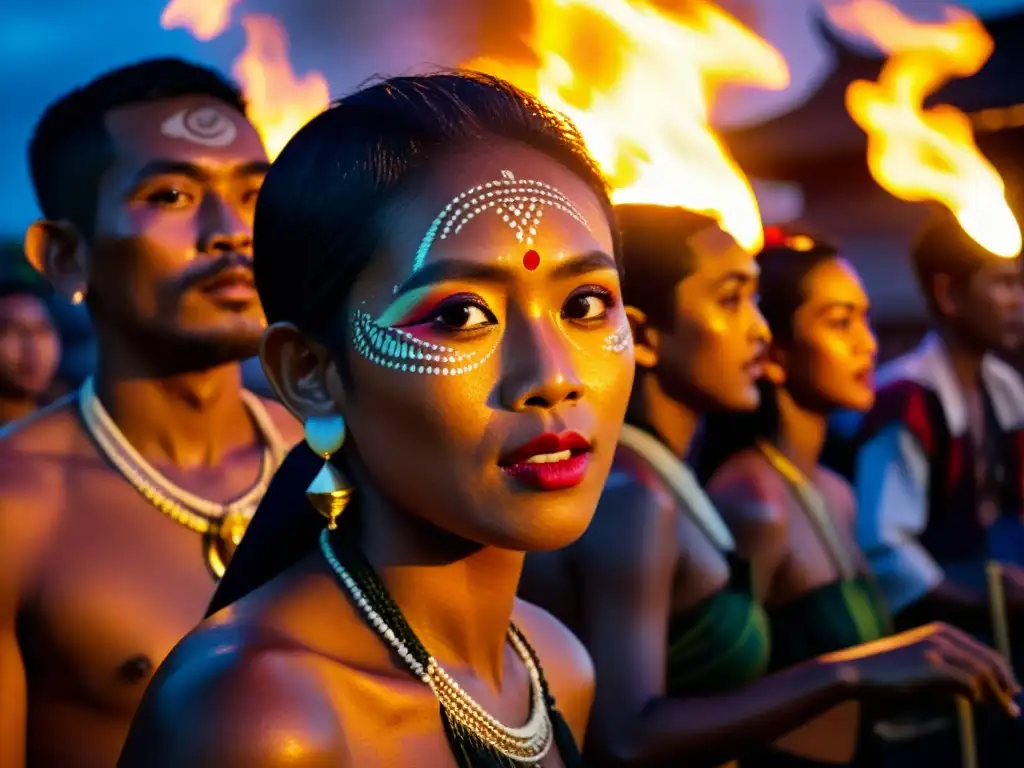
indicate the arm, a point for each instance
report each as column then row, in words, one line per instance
column 24, row 520
column 891, row 502
column 12, row 671
column 627, row 561
column 239, row 709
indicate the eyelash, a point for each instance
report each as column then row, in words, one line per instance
column 433, row 315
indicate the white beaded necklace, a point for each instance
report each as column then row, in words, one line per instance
column 222, row 524
column 528, row 744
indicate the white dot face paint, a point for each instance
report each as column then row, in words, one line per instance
column 620, row 340
column 207, row 126
column 400, row 350
column 520, row 203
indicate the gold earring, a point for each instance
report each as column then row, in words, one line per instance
column 329, row 493
column 77, row 297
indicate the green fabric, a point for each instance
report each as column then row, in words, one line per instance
column 721, row 644
column 838, row 615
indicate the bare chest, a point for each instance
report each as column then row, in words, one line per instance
column 391, row 722
column 120, row 584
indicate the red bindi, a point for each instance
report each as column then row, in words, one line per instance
column 531, row 260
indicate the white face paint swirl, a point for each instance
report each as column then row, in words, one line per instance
column 401, row 351
column 207, row 126
column 520, row 203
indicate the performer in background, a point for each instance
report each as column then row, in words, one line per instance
column 656, row 588
column 121, row 504
column 939, row 458
column 439, row 259
column 29, row 349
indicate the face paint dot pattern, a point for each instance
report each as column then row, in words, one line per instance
column 619, row 340
column 401, row 351
column 519, row 203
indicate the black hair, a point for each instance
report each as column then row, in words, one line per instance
column 320, row 217
column 16, row 286
column 656, row 256
column 71, row 148
column 789, row 255
column 942, row 247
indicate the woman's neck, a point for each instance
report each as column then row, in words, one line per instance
column 802, row 433
column 674, row 422
column 457, row 596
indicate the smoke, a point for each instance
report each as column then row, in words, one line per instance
column 355, row 40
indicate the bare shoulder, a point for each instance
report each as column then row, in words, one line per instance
column 34, row 456
column 753, row 500
column 840, row 495
column 565, row 661
column 635, row 513
column 233, row 694
column 286, row 423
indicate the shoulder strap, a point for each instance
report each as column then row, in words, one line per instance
column 814, row 504
column 682, row 482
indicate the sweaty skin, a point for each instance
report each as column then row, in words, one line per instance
column 445, row 528
column 96, row 584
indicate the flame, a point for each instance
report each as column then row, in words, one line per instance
column 279, row 102
column 639, row 82
column 921, row 154
column 204, row 19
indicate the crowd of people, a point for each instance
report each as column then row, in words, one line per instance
column 532, row 478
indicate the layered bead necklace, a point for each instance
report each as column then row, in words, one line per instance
column 221, row 525
column 481, row 738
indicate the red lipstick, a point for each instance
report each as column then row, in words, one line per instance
column 549, row 462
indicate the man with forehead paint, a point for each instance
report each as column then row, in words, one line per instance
column 121, row 504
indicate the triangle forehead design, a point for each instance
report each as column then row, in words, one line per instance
column 518, row 202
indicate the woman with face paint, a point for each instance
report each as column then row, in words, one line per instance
column 792, row 517
column 437, row 258
column 656, row 588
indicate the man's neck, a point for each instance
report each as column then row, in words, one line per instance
column 674, row 422
column 14, row 408
column 965, row 359
column 188, row 420
column 802, row 433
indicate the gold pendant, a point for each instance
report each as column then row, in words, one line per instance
column 223, row 539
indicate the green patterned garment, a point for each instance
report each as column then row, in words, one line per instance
column 721, row 644
column 841, row 614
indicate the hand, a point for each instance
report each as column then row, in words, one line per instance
column 935, row 658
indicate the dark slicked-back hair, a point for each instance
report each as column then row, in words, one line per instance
column 71, row 148
column 656, row 256
column 321, row 217
column 20, row 286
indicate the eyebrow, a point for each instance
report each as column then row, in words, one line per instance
column 456, row 269
column 193, row 171
column 737, row 277
column 849, row 306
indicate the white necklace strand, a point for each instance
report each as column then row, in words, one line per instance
column 223, row 524
column 528, row 744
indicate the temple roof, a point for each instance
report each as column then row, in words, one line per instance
column 820, row 130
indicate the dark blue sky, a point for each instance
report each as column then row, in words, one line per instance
column 48, row 46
